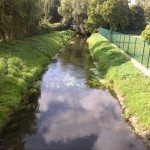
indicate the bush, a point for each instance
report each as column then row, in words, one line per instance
column 146, row 33
column 43, row 28
column 46, row 27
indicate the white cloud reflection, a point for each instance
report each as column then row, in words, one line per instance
column 87, row 113
column 73, row 111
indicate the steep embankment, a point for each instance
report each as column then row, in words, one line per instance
column 21, row 63
column 126, row 79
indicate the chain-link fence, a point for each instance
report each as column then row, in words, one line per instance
column 136, row 47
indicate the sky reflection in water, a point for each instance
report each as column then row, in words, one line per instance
column 69, row 115
column 72, row 116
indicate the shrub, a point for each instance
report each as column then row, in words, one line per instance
column 43, row 28
column 146, row 33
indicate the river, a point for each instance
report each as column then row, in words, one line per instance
column 72, row 111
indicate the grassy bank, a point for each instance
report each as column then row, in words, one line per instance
column 126, row 79
column 21, row 63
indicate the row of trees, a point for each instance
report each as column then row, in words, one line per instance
column 19, row 18
column 88, row 15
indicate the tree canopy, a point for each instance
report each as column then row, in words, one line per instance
column 94, row 16
column 87, row 15
column 137, row 18
column 115, row 13
column 74, row 13
column 51, row 10
column 146, row 6
column 19, row 18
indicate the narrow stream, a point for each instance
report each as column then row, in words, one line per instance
column 70, row 114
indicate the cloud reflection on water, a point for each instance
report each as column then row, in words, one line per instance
column 78, row 112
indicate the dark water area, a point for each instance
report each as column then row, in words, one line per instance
column 70, row 114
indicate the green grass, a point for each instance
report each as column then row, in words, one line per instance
column 127, row 43
column 125, row 77
column 21, row 63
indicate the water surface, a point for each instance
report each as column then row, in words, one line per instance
column 69, row 114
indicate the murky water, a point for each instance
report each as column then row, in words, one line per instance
column 69, row 115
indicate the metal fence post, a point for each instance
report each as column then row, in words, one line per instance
column 123, row 42
column 143, row 52
column 148, row 60
column 135, row 47
column 116, row 39
column 111, row 36
column 128, row 44
column 120, row 40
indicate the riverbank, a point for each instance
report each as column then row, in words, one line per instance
column 21, row 63
column 132, row 86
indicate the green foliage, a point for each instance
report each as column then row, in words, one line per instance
column 87, row 15
column 115, row 14
column 51, row 10
column 95, row 83
column 18, row 18
column 74, row 13
column 111, row 14
column 137, row 18
column 146, row 7
column 79, row 15
column 127, row 79
column 65, row 10
column 43, row 28
column 21, row 63
column 94, row 17
column 146, row 33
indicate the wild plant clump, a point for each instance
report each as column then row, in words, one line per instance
column 146, row 33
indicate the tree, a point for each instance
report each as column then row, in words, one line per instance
column 74, row 13
column 5, row 19
column 65, row 10
column 94, row 17
column 80, row 14
column 137, row 18
column 18, row 18
column 115, row 14
column 51, row 10
column 146, row 6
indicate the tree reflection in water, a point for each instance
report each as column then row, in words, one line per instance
column 22, row 124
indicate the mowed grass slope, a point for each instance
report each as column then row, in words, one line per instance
column 125, row 77
column 21, row 63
